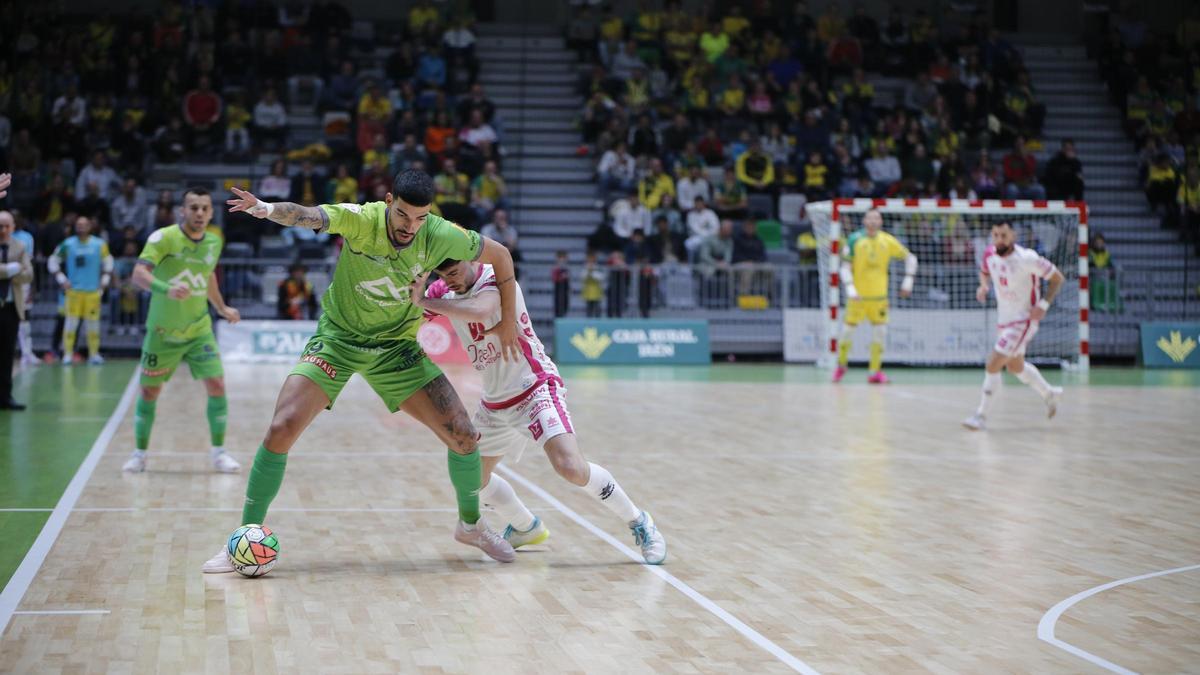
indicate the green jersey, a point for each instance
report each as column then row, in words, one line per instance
column 369, row 294
column 178, row 259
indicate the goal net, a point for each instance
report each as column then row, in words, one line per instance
column 943, row 323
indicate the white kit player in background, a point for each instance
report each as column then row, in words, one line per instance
column 1016, row 273
column 523, row 403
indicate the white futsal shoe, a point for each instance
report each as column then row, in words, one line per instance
column 219, row 563
column 975, row 422
column 223, row 463
column 136, row 462
column 486, row 539
column 1052, row 402
column 651, row 541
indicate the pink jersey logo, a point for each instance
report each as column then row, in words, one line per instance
column 536, row 429
column 476, row 332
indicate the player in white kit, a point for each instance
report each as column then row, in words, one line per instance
column 1016, row 273
column 523, row 403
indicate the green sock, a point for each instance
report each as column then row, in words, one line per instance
column 265, row 478
column 466, row 473
column 218, row 408
column 143, row 421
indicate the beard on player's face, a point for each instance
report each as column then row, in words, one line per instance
column 1003, row 249
column 404, row 220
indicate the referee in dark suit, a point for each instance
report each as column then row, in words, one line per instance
column 16, row 270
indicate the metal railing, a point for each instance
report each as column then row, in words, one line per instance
column 745, row 299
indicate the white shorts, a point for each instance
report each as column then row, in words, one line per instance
column 540, row 416
column 1014, row 337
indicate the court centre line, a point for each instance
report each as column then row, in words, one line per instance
column 57, row 612
column 10, row 598
column 729, row 619
column 1045, row 630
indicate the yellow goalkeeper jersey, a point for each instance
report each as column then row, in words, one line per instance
column 869, row 258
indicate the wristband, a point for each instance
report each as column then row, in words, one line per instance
column 159, row 286
column 60, row 278
column 907, row 284
column 267, row 206
column 1044, row 304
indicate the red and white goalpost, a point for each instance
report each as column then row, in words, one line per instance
column 943, row 324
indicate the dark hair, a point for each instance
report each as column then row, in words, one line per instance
column 195, row 190
column 413, row 187
column 447, row 263
column 1004, row 223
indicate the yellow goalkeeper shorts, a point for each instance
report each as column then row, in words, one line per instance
column 875, row 311
column 84, row 304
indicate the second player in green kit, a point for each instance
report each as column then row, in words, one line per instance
column 177, row 267
column 369, row 327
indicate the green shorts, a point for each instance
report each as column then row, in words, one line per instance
column 395, row 369
column 160, row 358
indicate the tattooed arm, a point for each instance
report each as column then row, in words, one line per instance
column 284, row 213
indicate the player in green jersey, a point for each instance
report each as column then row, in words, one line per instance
column 176, row 266
column 369, row 327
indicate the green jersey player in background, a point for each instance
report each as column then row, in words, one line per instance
column 176, row 266
column 369, row 326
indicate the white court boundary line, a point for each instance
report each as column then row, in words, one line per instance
column 1045, row 630
column 14, row 591
column 731, row 620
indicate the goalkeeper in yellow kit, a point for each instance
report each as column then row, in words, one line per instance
column 864, row 276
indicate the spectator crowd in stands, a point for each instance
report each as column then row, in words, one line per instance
column 90, row 104
column 696, row 119
column 1155, row 80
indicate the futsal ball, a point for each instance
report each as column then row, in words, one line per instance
column 253, row 550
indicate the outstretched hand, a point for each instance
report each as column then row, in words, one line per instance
column 247, row 203
column 5, row 181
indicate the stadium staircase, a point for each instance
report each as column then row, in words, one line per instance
column 1157, row 270
column 528, row 72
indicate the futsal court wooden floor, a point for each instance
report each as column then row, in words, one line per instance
column 811, row 528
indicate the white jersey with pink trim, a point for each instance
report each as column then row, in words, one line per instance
column 503, row 381
column 1016, row 278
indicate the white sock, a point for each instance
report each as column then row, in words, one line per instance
column 216, row 451
column 602, row 486
column 499, row 495
column 139, row 453
column 991, row 386
column 1033, row 377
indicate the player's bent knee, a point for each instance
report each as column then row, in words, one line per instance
column 567, row 460
column 215, row 386
column 463, row 438
column 151, row 393
column 285, row 428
